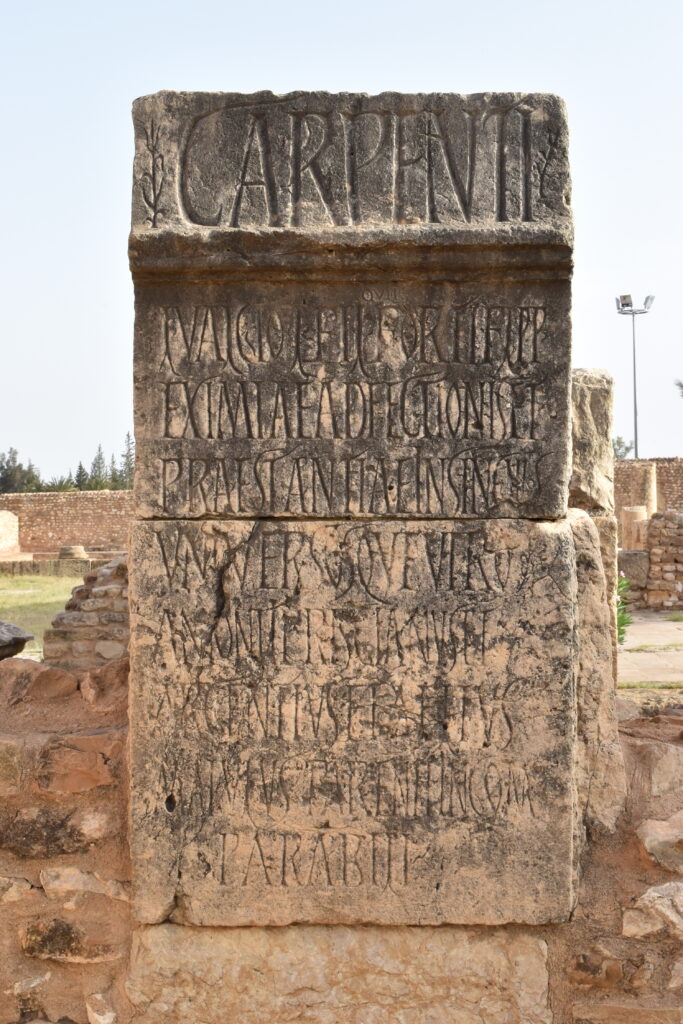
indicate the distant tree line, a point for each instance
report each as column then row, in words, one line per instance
column 114, row 475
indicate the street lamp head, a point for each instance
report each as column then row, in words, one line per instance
column 625, row 307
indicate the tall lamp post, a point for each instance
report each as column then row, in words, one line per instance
column 626, row 308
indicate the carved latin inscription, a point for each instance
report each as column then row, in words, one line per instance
column 316, row 160
column 333, row 401
column 327, row 714
column 352, row 587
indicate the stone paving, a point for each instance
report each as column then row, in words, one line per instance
column 653, row 650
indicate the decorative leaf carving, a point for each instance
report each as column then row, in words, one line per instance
column 152, row 181
column 544, row 158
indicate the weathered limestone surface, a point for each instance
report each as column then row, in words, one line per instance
column 591, row 485
column 635, row 566
column 351, row 305
column 355, row 722
column 608, row 529
column 592, row 481
column 663, row 840
column 93, row 629
column 660, row 908
column 633, row 520
column 9, row 533
column 323, row 975
column 625, row 1011
column 600, row 776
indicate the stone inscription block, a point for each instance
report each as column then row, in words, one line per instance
column 352, row 722
column 348, row 400
column 318, row 161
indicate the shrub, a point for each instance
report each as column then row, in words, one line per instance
column 624, row 617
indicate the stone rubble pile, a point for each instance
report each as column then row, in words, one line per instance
column 94, row 629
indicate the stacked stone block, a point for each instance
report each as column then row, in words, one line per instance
column 93, row 630
column 371, row 657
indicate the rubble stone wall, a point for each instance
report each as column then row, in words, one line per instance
column 64, row 865
column 99, row 520
column 665, row 546
column 655, row 574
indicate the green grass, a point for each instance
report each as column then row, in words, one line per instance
column 650, row 686
column 675, row 617
column 653, row 647
column 32, row 602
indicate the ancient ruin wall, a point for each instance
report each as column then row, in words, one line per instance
column 665, row 548
column 669, row 484
column 634, row 483
column 49, row 521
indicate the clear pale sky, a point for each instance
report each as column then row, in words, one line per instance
column 70, row 73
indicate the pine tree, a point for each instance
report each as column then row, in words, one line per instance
column 113, row 475
column 98, row 471
column 127, row 463
column 81, row 478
